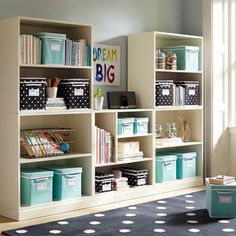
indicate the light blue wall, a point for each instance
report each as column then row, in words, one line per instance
column 112, row 20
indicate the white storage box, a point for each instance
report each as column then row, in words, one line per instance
column 128, row 147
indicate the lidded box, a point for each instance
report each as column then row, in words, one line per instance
column 75, row 92
column 141, row 125
column 66, row 182
column 165, row 167
column 53, row 48
column 125, row 126
column 32, row 93
column 187, row 56
column 164, row 92
column 36, row 186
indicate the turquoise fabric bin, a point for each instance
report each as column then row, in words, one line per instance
column 187, row 56
column 141, row 125
column 221, row 200
column 125, row 126
column 53, row 48
column 186, row 164
column 165, row 167
column 66, row 182
column 36, row 186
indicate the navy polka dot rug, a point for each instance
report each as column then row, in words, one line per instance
column 183, row 215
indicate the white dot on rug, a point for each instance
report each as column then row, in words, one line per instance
column 21, row 231
column 188, row 196
column 161, row 208
column 130, row 214
column 55, row 231
column 194, row 230
column 161, row 214
column 228, row 230
column 159, row 230
column 161, row 201
column 191, row 214
column 99, row 215
column 224, row 221
column 124, row 230
column 94, row 223
column 132, row 208
column 89, row 231
column 127, row 222
column 192, row 221
column 63, row 222
column 160, row 222
column 189, row 201
column 190, row 207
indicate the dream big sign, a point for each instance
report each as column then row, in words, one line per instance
column 106, row 64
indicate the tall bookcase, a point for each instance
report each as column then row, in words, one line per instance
column 142, row 75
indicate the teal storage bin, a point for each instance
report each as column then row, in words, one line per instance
column 187, row 56
column 66, row 182
column 53, row 48
column 165, row 167
column 36, row 186
column 125, row 126
column 186, row 164
column 141, row 125
column 221, row 200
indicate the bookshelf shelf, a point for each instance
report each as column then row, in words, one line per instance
column 54, row 66
column 178, row 71
column 54, row 112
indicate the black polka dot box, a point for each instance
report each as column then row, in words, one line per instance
column 103, row 182
column 75, row 92
column 164, row 92
column 136, row 177
column 191, row 91
column 32, row 93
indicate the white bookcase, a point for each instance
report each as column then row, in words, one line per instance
column 142, row 75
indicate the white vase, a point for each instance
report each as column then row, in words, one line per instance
column 98, row 103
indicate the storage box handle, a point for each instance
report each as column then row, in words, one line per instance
column 219, row 192
column 40, row 179
column 70, row 176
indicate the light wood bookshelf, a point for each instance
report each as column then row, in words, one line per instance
column 83, row 120
column 143, row 74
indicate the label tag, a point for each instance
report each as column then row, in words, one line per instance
column 191, row 92
column 78, row 92
column 55, row 47
column 34, row 92
column 166, row 92
column 106, row 187
column 225, row 199
column 71, row 181
column 41, row 186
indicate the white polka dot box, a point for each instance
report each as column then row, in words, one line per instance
column 75, row 92
column 32, row 93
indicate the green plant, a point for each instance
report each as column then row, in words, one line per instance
column 98, row 93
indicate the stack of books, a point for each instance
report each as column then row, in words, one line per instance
column 120, row 183
column 130, row 156
column 55, row 103
column 221, row 180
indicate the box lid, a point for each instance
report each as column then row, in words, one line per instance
column 63, row 170
column 185, row 155
column 50, row 35
column 165, row 157
column 125, row 120
column 36, row 173
column 181, row 47
column 141, row 119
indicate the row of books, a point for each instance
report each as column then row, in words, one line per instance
column 30, row 49
column 55, row 103
column 104, row 146
column 78, row 53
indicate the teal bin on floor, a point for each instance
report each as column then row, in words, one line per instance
column 53, row 48
column 187, row 56
column 186, row 164
column 221, row 200
column 36, row 186
column 165, row 167
column 66, row 182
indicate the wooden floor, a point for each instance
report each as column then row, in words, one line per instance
column 6, row 224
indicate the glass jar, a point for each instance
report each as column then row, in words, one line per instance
column 185, row 132
column 158, row 131
column 171, row 61
column 171, row 131
column 160, row 59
